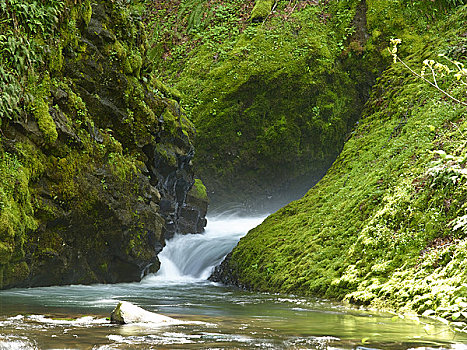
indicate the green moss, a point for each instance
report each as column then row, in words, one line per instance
column 16, row 215
column 46, row 124
column 275, row 106
column 138, row 245
column 33, row 159
column 56, row 60
column 124, row 167
column 6, row 252
column 198, row 190
column 70, row 31
column 171, row 122
column 15, row 272
column 86, row 11
column 166, row 91
column 132, row 64
column 167, row 155
column 104, row 267
column 282, row 95
column 261, row 10
column 40, row 90
column 76, row 102
column 121, row 52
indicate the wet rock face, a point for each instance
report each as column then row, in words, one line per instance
column 223, row 274
column 226, row 273
column 117, row 181
column 172, row 175
column 116, row 239
column 168, row 152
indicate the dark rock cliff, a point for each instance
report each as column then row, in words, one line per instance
column 103, row 172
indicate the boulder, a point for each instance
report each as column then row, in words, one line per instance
column 126, row 312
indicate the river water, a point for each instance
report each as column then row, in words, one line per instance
column 213, row 316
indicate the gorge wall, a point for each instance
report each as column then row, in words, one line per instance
column 97, row 153
column 272, row 99
column 96, row 167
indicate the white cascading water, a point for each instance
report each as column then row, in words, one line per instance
column 193, row 257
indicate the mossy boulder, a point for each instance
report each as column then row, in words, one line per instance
column 196, row 209
column 198, row 191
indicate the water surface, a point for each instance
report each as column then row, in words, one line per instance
column 215, row 317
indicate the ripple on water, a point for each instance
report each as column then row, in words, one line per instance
column 316, row 342
column 163, row 339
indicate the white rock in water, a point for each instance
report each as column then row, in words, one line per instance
column 126, row 312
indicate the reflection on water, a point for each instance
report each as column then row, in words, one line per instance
column 217, row 317
column 75, row 317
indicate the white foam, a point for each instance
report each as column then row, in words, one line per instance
column 81, row 321
column 16, row 343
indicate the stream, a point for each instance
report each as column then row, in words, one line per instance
column 214, row 316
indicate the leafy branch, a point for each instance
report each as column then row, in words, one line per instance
column 434, row 68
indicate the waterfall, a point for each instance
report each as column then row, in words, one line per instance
column 192, row 257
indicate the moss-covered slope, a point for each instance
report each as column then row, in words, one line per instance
column 272, row 101
column 386, row 226
column 95, row 166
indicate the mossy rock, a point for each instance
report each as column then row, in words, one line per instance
column 15, row 272
column 80, row 193
column 167, row 91
column 6, row 251
column 273, row 112
column 261, row 10
column 44, row 120
column 199, row 190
